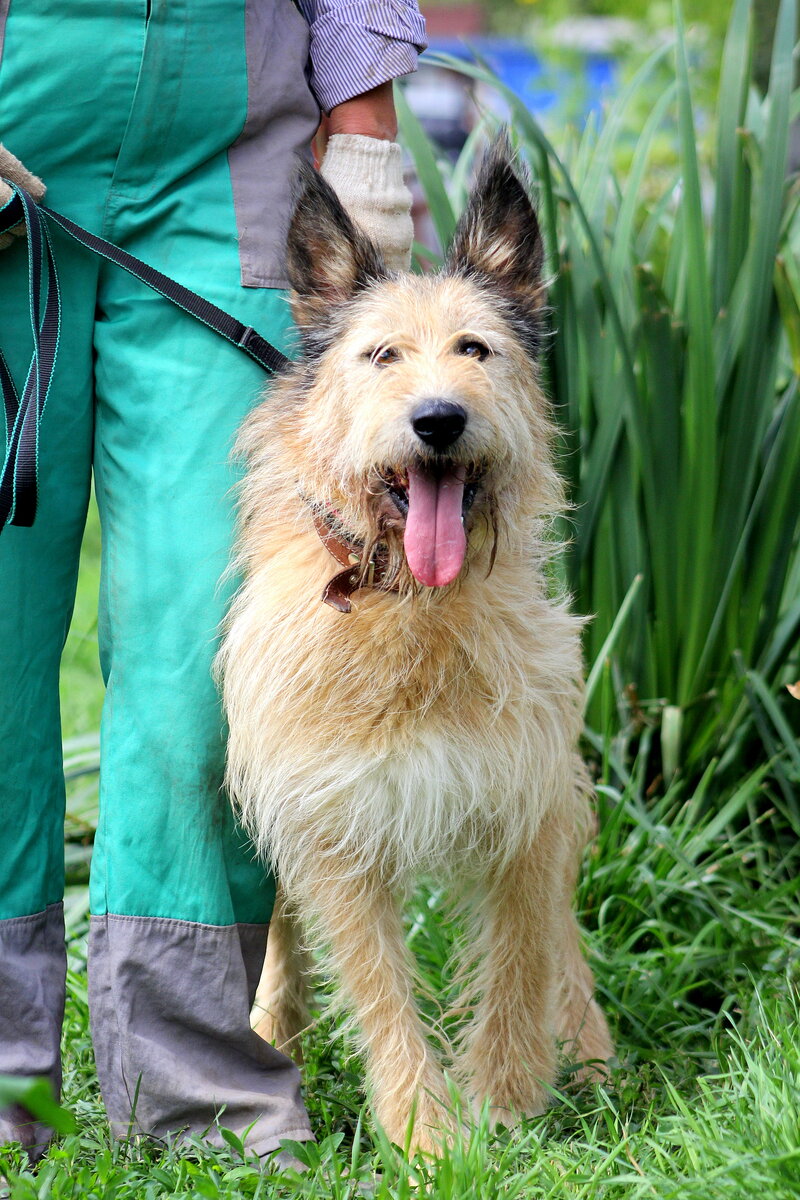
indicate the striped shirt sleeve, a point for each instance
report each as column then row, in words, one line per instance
column 358, row 44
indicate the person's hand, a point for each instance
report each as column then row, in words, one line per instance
column 367, row 176
column 11, row 168
column 364, row 166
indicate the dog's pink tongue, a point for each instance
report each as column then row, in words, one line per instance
column 435, row 541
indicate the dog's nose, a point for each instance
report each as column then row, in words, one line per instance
column 438, row 423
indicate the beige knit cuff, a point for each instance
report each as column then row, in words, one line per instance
column 367, row 176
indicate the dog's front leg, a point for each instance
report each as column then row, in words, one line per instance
column 280, row 1012
column 508, row 1051
column 580, row 1023
column 361, row 920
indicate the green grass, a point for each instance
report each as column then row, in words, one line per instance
column 673, row 370
column 692, row 920
column 81, row 682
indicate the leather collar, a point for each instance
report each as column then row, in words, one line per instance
column 349, row 551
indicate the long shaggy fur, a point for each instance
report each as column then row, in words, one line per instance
column 432, row 729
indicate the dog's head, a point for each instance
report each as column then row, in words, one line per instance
column 420, row 419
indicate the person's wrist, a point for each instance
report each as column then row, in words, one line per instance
column 371, row 114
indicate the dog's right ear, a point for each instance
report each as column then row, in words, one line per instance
column 329, row 259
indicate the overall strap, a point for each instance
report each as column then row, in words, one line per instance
column 18, row 481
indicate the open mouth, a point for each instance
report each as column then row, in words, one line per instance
column 397, row 488
column 434, row 499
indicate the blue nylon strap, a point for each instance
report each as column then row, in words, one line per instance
column 19, row 478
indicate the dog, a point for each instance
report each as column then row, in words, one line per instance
column 404, row 695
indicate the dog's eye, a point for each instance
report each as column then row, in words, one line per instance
column 472, row 348
column 384, row 356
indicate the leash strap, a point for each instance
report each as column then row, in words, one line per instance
column 18, row 481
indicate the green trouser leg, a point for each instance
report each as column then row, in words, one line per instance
column 179, row 903
column 38, row 575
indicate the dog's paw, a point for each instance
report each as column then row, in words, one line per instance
column 425, row 1127
column 429, row 1140
column 508, row 1111
column 589, row 1045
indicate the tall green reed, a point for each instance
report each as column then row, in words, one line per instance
column 673, row 367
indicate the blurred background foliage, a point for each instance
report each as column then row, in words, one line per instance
column 525, row 18
column 669, row 208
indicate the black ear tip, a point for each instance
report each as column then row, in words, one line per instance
column 308, row 185
column 502, row 167
column 499, row 212
column 316, row 207
column 325, row 250
column 501, row 149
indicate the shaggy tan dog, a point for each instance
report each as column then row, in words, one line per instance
column 424, row 718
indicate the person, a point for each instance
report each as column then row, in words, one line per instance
column 172, row 129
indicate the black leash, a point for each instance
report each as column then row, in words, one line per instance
column 19, row 478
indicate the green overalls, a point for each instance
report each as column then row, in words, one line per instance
column 169, row 128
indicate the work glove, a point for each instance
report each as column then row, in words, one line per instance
column 11, row 168
column 367, row 175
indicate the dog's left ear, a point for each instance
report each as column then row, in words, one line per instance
column 497, row 242
column 329, row 260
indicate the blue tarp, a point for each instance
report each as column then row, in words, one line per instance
column 539, row 84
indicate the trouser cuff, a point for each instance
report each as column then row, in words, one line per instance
column 170, row 1008
column 33, row 966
